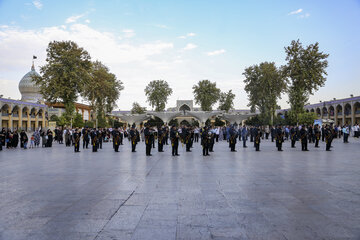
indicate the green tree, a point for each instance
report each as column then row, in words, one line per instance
column 226, row 101
column 65, row 74
column 264, row 84
column 117, row 124
column 137, row 109
column 54, row 118
column 218, row 122
column 77, row 121
column 102, row 90
column 158, row 92
column 174, row 122
column 206, row 94
column 154, row 122
column 307, row 118
column 63, row 121
column 257, row 120
column 101, row 122
column 306, row 70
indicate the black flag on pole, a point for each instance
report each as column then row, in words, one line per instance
column 34, row 57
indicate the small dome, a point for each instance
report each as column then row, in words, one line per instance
column 30, row 92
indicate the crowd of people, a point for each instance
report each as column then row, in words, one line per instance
column 186, row 135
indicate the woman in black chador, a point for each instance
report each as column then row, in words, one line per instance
column 15, row 140
column 49, row 138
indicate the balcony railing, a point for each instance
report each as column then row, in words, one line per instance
column 5, row 114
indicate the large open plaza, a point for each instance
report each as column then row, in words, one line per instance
column 129, row 120
column 54, row 193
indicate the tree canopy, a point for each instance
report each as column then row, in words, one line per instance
column 226, row 101
column 102, row 89
column 137, row 109
column 206, row 94
column 158, row 92
column 65, row 74
column 264, row 84
column 306, row 70
column 77, row 121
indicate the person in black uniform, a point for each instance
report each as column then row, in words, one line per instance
column 310, row 134
column 328, row 135
column 317, row 134
column 148, row 139
column 133, row 138
column 153, row 136
column 322, row 133
column 212, row 140
column 161, row 134
column 233, row 137
column 116, row 139
column 166, row 135
column 257, row 141
column 279, row 138
column 272, row 133
column 205, row 140
column 2, row 139
column 101, row 137
column 304, row 138
column 76, row 140
column 94, row 140
column 293, row 135
column 192, row 136
column 85, row 138
column 187, row 138
column 252, row 134
column 174, row 138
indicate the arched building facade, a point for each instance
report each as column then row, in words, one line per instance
column 22, row 115
column 341, row 111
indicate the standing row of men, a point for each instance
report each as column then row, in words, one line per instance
column 187, row 136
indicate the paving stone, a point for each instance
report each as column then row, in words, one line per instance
column 56, row 194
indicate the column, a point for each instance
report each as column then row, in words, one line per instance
column 343, row 113
column 29, row 121
column 82, row 113
column 321, row 113
column 20, row 117
column 328, row 113
column 335, row 115
column 352, row 114
column 10, row 117
column 43, row 120
column 0, row 121
column 36, row 120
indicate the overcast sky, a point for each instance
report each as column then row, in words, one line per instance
column 182, row 42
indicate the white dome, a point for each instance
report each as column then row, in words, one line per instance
column 30, row 92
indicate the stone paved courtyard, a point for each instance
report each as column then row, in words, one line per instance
column 57, row 194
